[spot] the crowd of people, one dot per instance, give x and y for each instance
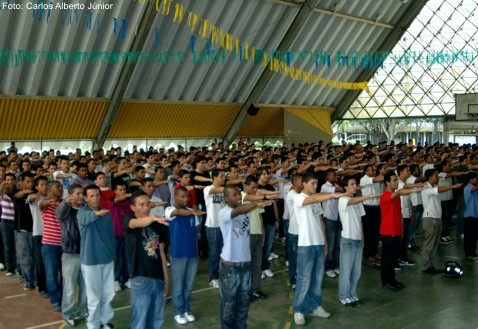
(104, 221)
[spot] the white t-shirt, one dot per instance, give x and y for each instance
(235, 233)
(443, 181)
(159, 210)
(416, 197)
(426, 167)
(293, 226)
(431, 201)
(254, 216)
(331, 210)
(214, 203)
(369, 187)
(37, 220)
(309, 222)
(351, 218)
(285, 191)
(405, 202)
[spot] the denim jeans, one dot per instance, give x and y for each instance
(460, 227)
(147, 303)
(269, 230)
(183, 271)
(214, 238)
(235, 290)
(100, 291)
(52, 260)
(72, 278)
(417, 219)
(6, 227)
(292, 246)
(332, 234)
(122, 264)
(310, 272)
(39, 265)
(24, 248)
(350, 267)
(285, 225)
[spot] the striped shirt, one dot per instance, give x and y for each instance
(7, 207)
(51, 226)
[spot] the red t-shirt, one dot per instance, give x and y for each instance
(391, 215)
(105, 197)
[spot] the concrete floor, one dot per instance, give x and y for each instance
(426, 302)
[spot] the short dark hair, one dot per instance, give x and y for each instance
(429, 173)
(91, 187)
(308, 177)
(181, 189)
(401, 168)
(38, 179)
(145, 180)
(472, 175)
(25, 174)
(215, 172)
(138, 194)
(388, 176)
(183, 172)
(73, 187)
(346, 180)
(251, 179)
(138, 168)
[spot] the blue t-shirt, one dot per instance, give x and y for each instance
(183, 234)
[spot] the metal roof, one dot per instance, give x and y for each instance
(136, 51)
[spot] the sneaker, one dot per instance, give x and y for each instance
(27, 287)
(274, 255)
(180, 319)
(169, 264)
(337, 271)
(299, 319)
(270, 259)
(44, 294)
(128, 284)
(330, 274)
(263, 276)
(472, 257)
(2, 267)
(254, 297)
(347, 302)
(293, 286)
(445, 240)
(9, 273)
(261, 294)
(109, 325)
(320, 312)
(397, 267)
(406, 262)
(56, 307)
(357, 301)
(83, 316)
(214, 283)
(287, 263)
(268, 273)
(460, 235)
(189, 317)
(117, 286)
(70, 322)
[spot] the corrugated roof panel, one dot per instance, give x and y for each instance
(160, 120)
(269, 121)
(39, 118)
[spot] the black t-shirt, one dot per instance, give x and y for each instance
(124, 179)
(200, 192)
(143, 245)
(268, 215)
(23, 215)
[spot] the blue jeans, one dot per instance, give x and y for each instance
(214, 239)
(100, 291)
(285, 225)
(269, 231)
(235, 290)
(184, 272)
(52, 260)
(39, 266)
(350, 267)
(72, 278)
(24, 248)
(6, 227)
(122, 264)
(147, 303)
(417, 219)
(292, 246)
(310, 272)
(332, 234)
